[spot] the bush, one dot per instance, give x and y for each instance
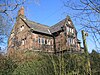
(7, 66)
(35, 63)
(42, 66)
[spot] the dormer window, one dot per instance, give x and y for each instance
(22, 28)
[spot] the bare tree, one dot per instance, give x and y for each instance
(7, 17)
(4, 28)
(7, 6)
(87, 13)
(11, 5)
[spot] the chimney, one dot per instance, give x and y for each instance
(21, 11)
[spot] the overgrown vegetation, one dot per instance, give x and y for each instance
(49, 64)
(7, 66)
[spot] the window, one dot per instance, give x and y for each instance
(12, 46)
(12, 34)
(68, 40)
(22, 27)
(67, 29)
(73, 41)
(23, 42)
(69, 22)
(72, 31)
(43, 40)
(39, 40)
(48, 42)
(51, 43)
(34, 37)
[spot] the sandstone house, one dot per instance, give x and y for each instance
(29, 35)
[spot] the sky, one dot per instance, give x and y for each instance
(49, 12)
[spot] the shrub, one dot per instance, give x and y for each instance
(42, 66)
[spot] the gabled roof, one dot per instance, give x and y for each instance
(44, 28)
(37, 26)
(57, 27)
(69, 19)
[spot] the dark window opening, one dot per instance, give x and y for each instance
(39, 40)
(45, 41)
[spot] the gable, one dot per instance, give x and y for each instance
(37, 27)
(69, 22)
(58, 26)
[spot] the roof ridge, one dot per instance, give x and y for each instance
(62, 20)
(58, 22)
(38, 23)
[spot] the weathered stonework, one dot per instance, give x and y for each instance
(28, 35)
